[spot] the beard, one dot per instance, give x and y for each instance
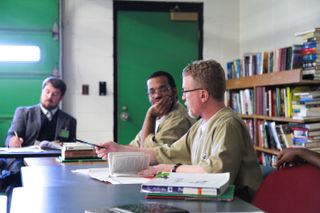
(190, 113)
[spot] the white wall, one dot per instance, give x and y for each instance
(231, 28)
(271, 24)
(88, 57)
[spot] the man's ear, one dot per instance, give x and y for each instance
(204, 95)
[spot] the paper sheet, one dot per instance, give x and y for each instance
(103, 175)
(22, 149)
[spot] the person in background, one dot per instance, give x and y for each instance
(218, 142)
(166, 120)
(44, 121)
(297, 155)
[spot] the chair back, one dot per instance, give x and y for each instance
(292, 189)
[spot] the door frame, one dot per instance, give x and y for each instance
(147, 7)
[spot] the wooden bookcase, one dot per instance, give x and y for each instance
(275, 79)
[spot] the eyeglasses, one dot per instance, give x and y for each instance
(190, 90)
(162, 89)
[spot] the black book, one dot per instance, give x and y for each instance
(148, 207)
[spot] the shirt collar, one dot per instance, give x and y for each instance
(44, 110)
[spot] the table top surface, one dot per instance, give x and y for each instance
(24, 153)
(79, 198)
(57, 188)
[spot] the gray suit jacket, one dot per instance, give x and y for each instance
(27, 123)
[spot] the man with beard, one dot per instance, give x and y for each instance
(218, 142)
(166, 119)
(44, 121)
(32, 124)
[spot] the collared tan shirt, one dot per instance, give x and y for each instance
(173, 126)
(224, 146)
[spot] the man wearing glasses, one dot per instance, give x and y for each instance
(218, 142)
(166, 119)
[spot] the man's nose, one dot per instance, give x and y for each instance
(183, 97)
(50, 95)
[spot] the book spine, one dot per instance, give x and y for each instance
(179, 190)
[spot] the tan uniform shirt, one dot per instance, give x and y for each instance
(174, 126)
(222, 144)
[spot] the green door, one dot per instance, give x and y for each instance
(26, 22)
(148, 41)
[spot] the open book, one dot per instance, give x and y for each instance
(123, 168)
(127, 163)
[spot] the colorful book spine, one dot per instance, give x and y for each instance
(179, 190)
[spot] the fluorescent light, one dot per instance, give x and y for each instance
(19, 53)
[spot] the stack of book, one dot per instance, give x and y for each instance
(77, 151)
(306, 103)
(189, 186)
(307, 135)
(311, 53)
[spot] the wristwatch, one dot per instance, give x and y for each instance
(175, 167)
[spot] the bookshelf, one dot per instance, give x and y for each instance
(288, 78)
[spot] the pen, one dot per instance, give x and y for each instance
(16, 134)
(92, 144)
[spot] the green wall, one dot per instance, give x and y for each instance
(26, 22)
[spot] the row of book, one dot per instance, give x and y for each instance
(266, 159)
(273, 102)
(272, 135)
(269, 101)
(282, 59)
(310, 53)
(305, 56)
(299, 102)
(242, 101)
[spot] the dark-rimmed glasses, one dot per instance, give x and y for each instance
(162, 90)
(190, 90)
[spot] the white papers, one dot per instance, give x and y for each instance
(34, 148)
(102, 174)
(210, 180)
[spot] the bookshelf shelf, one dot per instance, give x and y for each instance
(269, 79)
(279, 119)
(282, 79)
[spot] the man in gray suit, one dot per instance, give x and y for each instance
(42, 122)
(45, 121)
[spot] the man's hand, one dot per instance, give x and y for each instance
(153, 170)
(15, 141)
(110, 146)
(287, 156)
(161, 107)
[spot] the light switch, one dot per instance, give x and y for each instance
(102, 88)
(85, 89)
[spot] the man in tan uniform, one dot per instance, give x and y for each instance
(218, 142)
(166, 119)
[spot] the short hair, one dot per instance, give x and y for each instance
(160, 73)
(209, 75)
(56, 83)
